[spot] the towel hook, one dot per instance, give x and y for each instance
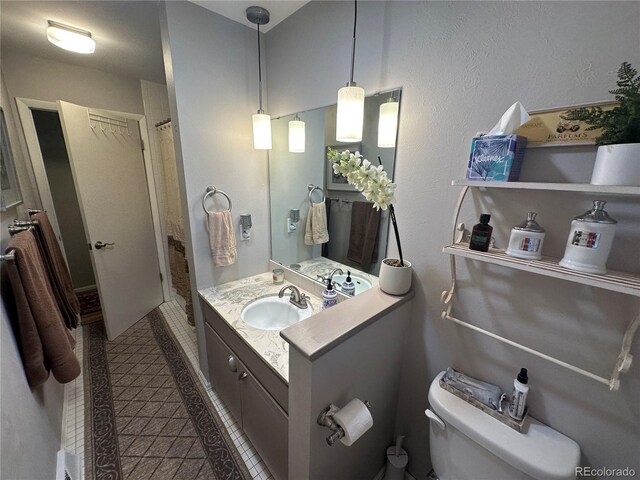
(212, 191)
(311, 189)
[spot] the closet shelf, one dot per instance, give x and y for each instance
(621, 282)
(563, 187)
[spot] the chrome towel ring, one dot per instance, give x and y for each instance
(311, 189)
(212, 191)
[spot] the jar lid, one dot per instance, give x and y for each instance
(597, 214)
(530, 224)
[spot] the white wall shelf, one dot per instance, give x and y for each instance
(564, 187)
(621, 282)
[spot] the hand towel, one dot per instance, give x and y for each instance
(46, 344)
(325, 246)
(222, 238)
(363, 238)
(57, 269)
(316, 229)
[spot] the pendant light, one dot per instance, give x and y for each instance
(70, 38)
(261, 121)
(296, 135)
(388, 123)
(350, 112)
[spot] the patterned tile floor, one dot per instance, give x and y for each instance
(176, 318)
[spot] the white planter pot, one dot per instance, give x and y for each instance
(395, 280)
(617, 165)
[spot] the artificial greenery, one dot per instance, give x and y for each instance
(622, 124)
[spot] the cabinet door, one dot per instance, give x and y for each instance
(266, 424)
(224, 369)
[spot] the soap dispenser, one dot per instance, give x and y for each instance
(329, 296)
(348, 286)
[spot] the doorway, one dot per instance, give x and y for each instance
(93, 178)
(71, 229)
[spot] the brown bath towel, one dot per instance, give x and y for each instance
(58, 271)
(363, 239)
(46, 344)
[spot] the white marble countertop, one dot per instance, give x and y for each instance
(230, 298)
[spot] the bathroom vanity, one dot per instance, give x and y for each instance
(249, 366)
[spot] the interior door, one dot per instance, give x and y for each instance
(106, 159)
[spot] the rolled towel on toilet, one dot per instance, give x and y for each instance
(484, 392)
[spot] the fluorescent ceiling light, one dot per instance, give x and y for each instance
(70, 38)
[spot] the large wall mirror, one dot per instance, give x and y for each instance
(357, 233)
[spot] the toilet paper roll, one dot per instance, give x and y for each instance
(355, 419)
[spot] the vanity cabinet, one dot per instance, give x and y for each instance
(250, 390)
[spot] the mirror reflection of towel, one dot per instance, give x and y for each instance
(316, 230)
(363, 239)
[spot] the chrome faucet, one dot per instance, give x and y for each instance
(296, 298)
(337, 270)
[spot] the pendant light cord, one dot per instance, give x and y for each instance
(259, 71)
(353, 45)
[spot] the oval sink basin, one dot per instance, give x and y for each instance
(273, 313)
(362, 284)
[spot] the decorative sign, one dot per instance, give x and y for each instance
(547, 129)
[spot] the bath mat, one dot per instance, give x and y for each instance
(147, 415)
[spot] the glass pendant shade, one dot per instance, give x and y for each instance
(296, 136)
(261, 131)
(70, 38)
(350, 114)
(388, 124)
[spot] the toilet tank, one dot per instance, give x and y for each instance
(474, 446)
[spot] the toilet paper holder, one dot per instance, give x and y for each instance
(325, 419)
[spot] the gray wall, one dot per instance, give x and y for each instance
(41, 79)
(30, 420)
(211, 69)
(370, 365)
(461, 64)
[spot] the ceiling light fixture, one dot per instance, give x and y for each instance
(388, 123)
(350, 115)
(261, 121)
(296, 135)
(70, 38)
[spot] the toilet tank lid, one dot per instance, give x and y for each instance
(539, 451)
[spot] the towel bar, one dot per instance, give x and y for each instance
(11, 256)
(212, 191)
(311, 189)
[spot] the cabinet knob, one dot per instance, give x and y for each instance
(231, 362)
(243, 375)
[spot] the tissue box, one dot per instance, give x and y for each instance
(496, 158)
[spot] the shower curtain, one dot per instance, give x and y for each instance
(172, 214)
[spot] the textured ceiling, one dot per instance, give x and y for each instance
(127, 34)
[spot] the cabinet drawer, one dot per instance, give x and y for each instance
(266, 424)
(224, 379)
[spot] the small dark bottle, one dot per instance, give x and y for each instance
(481, 234)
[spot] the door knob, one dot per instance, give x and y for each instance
(100, 245)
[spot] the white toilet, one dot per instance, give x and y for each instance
(468, 444)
